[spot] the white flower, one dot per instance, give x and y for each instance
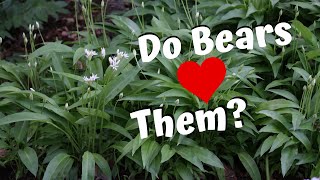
(102, 3)
(90, 53)
(114, 62)
(35, 64)
(29, 64)
(34, 36)
(161, 105)
(31, 89)
(66, 105)
(0, 40)
(121, 54)
(92, 78)
(103, 51)
(142, 4)
(37, 24)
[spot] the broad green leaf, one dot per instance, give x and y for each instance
(302, 138)
(88, 166)
(266, 145)
(279, 141)
(55, 166)
(50, 47)
(117, 128)
(29, 158)
(23, 116)
(288, 155)
(77, 55)
(277, 104)
(285, 94)
(166, 153)
(116, 86)
(187, 154)
(304, 74)
(305, 32)
(184, 172)
(149, 150)
(207, 157)
(250, 165)
(103, 165)
(306, 158)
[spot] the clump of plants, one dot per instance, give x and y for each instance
(65, 109)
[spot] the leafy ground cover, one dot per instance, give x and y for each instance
(64, 106)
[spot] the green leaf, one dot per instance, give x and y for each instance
(166, 153)
(187, 154)
(305, 32)
(50, 47)
(302, 138)
(56, 166)
(266, 144)
(149, 150)
(184, 172)
(23, 116)
(88, 166)
(288, 155)
(118, 128)
(207, 157)
(304, 74)
(250, 165)
(116, 86)
(279, 141)
(285, 94)
(103, 165)
(277, 104)
(77, 55)
(29, 158)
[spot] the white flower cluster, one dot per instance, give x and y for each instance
(91, 78)
(90, 53)
(115, 60)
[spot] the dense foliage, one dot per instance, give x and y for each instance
(56, 123)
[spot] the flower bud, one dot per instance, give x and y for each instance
(134, 52)
(142, 4)
(161, 105)
(32, 27)
(31, 89)
(66, 106)
(197, 14)
(304, 88)
(158, 71)
(102, 3)
(34, 36)
(280, 13)
(313, 82)
(29, 27)
(177, 102)
(0, 40)
(37, 25)
(35, 64)
(29, 64)
(121, 95)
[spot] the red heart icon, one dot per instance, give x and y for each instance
(202, 80)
